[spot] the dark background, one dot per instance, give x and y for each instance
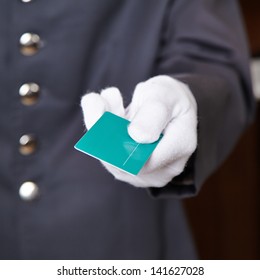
(225, 216)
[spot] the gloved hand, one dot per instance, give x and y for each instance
(159, 105)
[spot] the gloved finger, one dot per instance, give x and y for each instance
(114, 101)
(158, 178)
(93, 107)
(174, 94)
(178, 142)
(154, 103)
(136, 181)
(149, 122)
(173, 169)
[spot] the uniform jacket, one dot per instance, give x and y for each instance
(81, 211)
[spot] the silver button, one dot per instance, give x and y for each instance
(28, 191)
(28, 144)
(29, 43)
(26, 1)
(29, 93)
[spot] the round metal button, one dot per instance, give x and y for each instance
(28, 191)
(26, 1)
(29, 43)
(28, 144)
(29, 93)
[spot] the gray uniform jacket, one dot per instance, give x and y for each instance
(75, 208)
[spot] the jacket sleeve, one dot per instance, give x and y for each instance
(204, 45)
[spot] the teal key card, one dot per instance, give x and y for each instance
(108, 140)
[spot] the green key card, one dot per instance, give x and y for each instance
(108, 140)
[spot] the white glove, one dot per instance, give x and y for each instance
(159, 105)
